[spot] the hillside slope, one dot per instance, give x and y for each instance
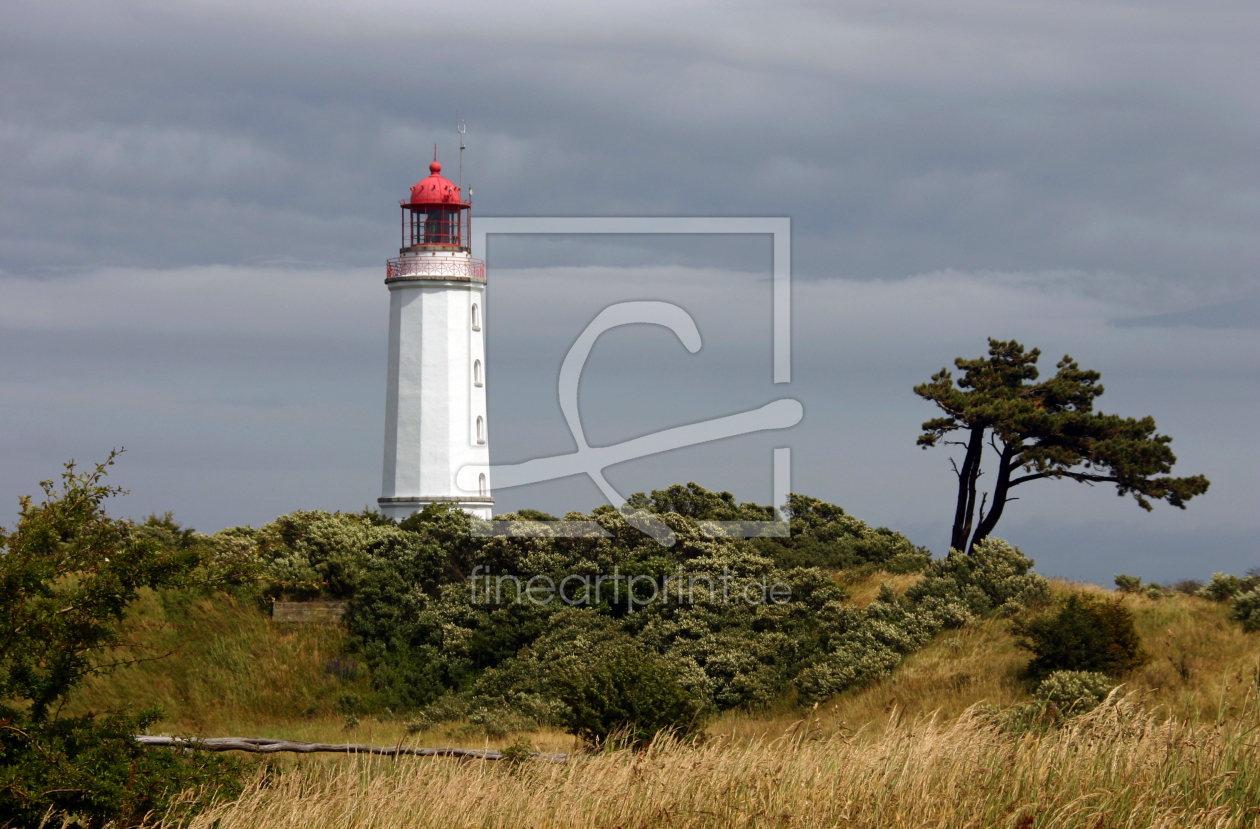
(218, 665)
(232, 671)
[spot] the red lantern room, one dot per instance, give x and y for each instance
(436, 216)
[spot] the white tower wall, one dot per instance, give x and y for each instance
(435, 406)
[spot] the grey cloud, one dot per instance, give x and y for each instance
(902, 138)
(1238, 313)
(1073, 175)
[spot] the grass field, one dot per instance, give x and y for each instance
(1119, 766)
(1177, 747)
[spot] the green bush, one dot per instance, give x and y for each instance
(1221, 588)
(695, 502)
(90, 770)
(1243, 593)
(621, 692)
(1075, 691)
(313, 553)
(1081, 634)
(1247, 610)
(1061, 695)
(422, 639)
(994, 576)
(67, 575)
(823, 535)
(1224, 587)
(468, 650)
(1129, 584)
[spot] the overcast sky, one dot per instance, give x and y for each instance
(197, 198)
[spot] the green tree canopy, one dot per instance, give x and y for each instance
(67, 575)
(1037, 430)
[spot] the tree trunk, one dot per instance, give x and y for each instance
(1001, 490)
(264, 745)
(966, 506)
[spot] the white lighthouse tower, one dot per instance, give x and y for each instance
(435, 400)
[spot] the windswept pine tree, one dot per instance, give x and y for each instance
(1038, 430)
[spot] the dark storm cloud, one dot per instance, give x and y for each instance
(901, 137)
(195, 200)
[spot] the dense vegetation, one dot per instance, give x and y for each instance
(67, 575)
(1081, 634)
(430, 639)
(656, 618)
(1243, 594)
(447, 625)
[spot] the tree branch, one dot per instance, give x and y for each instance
(1075, 476)
(262, 745)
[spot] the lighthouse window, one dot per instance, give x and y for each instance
(481, 430)
(476, 372)
(476, 318)
(441, 227)
(481, 485)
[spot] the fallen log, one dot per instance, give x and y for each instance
(263, 745)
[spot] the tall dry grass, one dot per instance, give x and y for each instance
(1201, 661)
(1119, 766)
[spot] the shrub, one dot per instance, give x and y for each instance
(92, 768)
(351, 704)
(1075, 691)
(431, 638)
(995, 576)
(625, 693)
(423, 634)
(67, 574)
(311, 553)
(1224, 587)
(518, 753)
(1129, 584)
(695, 502)
(499, 722)
(1081, 634)
(1243, 592)
(823, 535)
(850, 665)
(231, 555)
(1247, 610)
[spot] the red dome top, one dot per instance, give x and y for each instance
(435, 189)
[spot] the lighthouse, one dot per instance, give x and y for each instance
(435, 399)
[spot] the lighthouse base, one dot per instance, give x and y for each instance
(401, 508)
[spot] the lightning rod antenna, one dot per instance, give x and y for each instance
(461, 128)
